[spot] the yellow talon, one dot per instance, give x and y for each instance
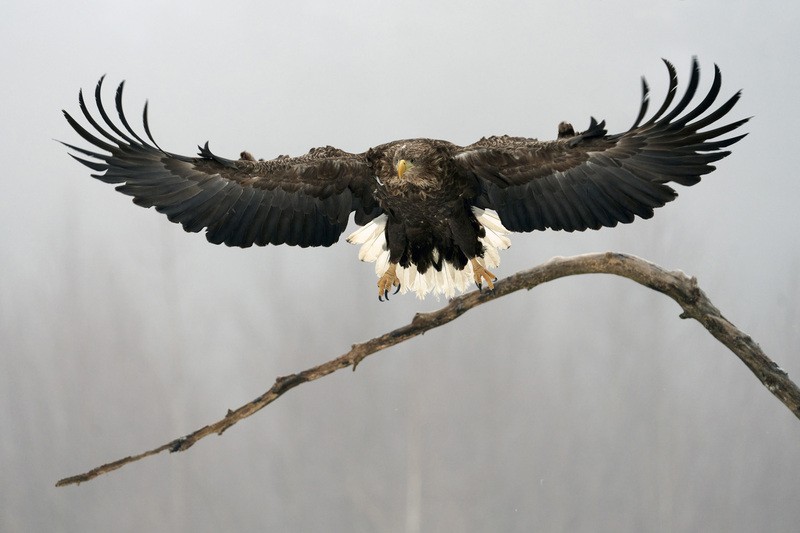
(479, 273)
(387, 281)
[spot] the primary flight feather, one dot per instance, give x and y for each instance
(434, 214)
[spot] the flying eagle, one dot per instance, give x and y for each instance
(433, 214)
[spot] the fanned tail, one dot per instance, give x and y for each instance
(444, 282)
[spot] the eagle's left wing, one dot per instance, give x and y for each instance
(304, 201)
(592, 179)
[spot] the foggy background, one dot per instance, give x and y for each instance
(584, 405)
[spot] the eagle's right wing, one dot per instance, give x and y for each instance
(592, 179)
(303, 201)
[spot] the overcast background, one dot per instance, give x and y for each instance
(584, 405)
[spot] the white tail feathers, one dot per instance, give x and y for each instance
(445, 282)
(372, 239)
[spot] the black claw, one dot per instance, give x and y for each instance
(396, 290)
(480, 287)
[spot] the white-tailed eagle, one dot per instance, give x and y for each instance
(433, 214)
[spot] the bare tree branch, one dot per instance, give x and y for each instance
(676, 285)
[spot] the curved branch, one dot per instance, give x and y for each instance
(675, 284)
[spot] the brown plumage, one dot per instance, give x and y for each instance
(427, 203)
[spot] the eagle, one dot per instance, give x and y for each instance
(433, 214)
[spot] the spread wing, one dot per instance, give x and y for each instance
(303, 201)
(593, 179)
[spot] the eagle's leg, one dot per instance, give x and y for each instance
(387, 281)
(480, 273)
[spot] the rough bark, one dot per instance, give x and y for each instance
(675, 284)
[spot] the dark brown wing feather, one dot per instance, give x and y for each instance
(303, 201)
(593, 179)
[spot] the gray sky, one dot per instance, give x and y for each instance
(583, 405)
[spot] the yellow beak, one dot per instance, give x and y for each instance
(401, 168)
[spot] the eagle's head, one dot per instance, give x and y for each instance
(419, 163)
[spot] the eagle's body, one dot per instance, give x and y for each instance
(428, 208)
(434, 214)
